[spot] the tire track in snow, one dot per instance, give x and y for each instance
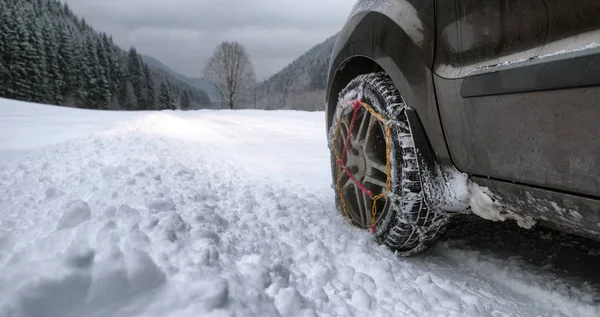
(542, 300)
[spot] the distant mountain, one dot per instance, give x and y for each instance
(201, 83)
(300, 85)
(198, 83)
(153, 62)
(50, 55)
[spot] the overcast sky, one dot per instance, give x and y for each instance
(183, 33)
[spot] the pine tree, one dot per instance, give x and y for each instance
(36, 66)
(121, 84)
(4, 12)
(118, 76)
(109, 60)
(164, 97)
(40, 7)
(134, 69)
(11, 56)
(20, 54)
(54, 10)
(85, 80)
(55, 80)
(103, 94)
(67, 10)
(66, 62)
(83, 26)
(186, 102)
(149, 89)
(172, 100)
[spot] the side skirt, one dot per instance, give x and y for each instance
(566, 212)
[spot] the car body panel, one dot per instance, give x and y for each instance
(501, 81)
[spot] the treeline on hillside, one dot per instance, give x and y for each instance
(300, 85)
(49, 55)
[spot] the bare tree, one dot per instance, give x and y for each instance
(231, 72)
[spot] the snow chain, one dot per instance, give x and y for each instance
(357, 104)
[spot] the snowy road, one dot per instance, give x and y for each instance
(223, 214)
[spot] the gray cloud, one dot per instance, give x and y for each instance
(183, 33)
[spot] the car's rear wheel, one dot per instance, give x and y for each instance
(376, 174)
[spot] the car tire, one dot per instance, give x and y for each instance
(403, 221)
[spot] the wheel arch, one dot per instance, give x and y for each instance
(397, 38)
(351, 68)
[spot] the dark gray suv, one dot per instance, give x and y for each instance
(441, 107)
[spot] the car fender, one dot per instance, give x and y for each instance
(399, 37)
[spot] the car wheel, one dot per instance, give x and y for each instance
(376, 174)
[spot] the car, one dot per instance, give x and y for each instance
(436, 108)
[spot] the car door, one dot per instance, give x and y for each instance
(518, 89)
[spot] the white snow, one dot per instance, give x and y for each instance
(485, 205)
(212, 213)
(448, 189)
(75, 213)
(567, 51)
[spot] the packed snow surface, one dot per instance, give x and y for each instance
(216, 213)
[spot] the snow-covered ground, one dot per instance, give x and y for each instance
(220, 213)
